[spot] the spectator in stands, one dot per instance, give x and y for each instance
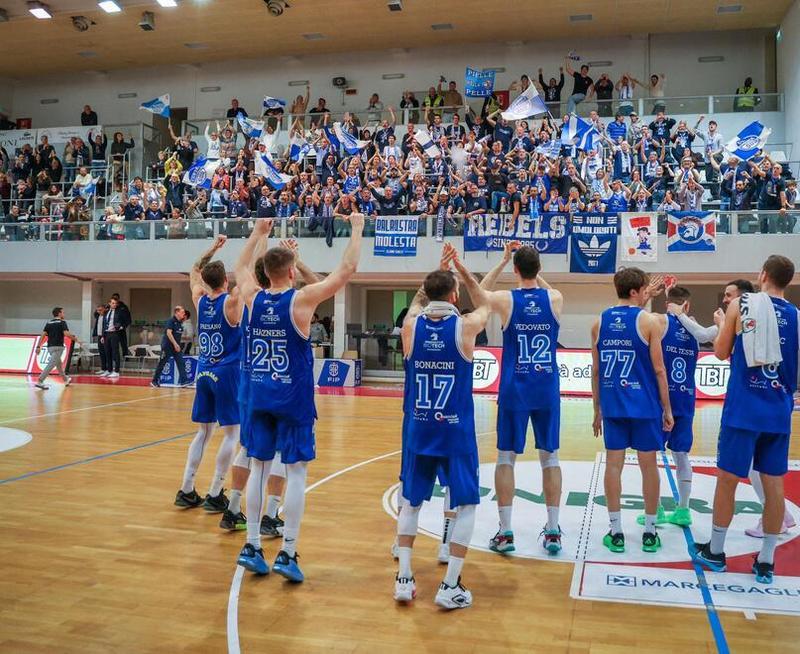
(171, 348)
(52, 202)
(617, 130)
(712, 149)
(582, 85)
(97, 143)
(374, 109)
(299, 107)
(320, 110)
(451, 97)
(410, 102)
(119, 150)
(235, 110)
(746, 97)
(552, 91)
(604, 90)
(75, 214)
(772, 197)
(88, 116)
(657, 89)
(175, 192)
(625, 86)
(433, 101)
(690, 194)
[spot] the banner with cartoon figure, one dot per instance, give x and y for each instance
(639, 236)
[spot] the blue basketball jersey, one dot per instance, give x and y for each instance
(680, 350)
(441, 421)
(281, 361)
(760, 398)
(529, 374)
(628, 387)
(244, 359)
(220, 342)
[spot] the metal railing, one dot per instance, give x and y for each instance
(752, 222)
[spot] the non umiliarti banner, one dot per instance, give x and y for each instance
(594, 243)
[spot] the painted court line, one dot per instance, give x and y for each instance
(85, 408)
(236, 582)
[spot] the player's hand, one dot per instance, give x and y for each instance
(719, 317)
(597, 424)
(509, 247)
(655, 287)
(667, 421)
(291, 245)
(676, 309)
(176, 348)
(263, 226)
(219, 241)
(670, 281)
(448, 253)
(357, 222)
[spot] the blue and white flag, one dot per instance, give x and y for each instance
(478, 83)
(273, 103)
(350, 143)
(251, 128)
(396, 236)
(424, 140)
(298, 148)
(200, 173)
(275, 178)
(526, 104)
(551, 149)
(547, 232)
(691, 231)
(90, 189)
(332, 138)
(158, 106)
(580, 133)
(593, 246)
(749, 141)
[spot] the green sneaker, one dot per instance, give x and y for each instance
(680, 516)
(661, 517)
(650, 542)
(614, 542)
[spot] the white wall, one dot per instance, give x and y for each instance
(788, 71)
(673, 54)
(6, 96)
(26, 306)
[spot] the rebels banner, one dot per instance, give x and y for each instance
(396, 236)
(547, 232)
(639, 236)
(593, 243)
(691, 231)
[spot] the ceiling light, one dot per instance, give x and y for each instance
(438, 27)
(729, 9)
(314, 36)
(579, 18)
(40, 10)
(167, 3)
(109, 6)
(87, 53)
(195, 46)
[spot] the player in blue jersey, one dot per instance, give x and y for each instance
(631, 398)
(529, 387)
(438, 345)
(281, 400)
(219, 337)
(757, 415)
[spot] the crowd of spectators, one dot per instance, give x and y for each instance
(482, 164)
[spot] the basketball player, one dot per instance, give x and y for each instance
(438, 345)
(281, 400)
(529, 387)
(219, 337)
(631, 398)
(756, 417)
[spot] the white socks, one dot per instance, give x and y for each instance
(195, 456)
(649, 523)
(259, 473)
(454, 566)
(615, 521)
(683, 473)
(552, 518)
(225, 454)
(273, 503)
(235, 502)
(505, 517)
(717, 544)
(404, 559)
(294, 506)
(768, 545)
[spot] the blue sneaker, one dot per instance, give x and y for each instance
(702, 555)
(286, 566)
(253, 559)
(763, 571)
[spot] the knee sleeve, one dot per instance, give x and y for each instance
(506, 458)
(408, 520)
(464, 525)
(548, 459)
(683, 469)
(242, 460)
(278, 467)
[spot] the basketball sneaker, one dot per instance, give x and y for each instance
(102, 373)
(67, 381)
(680, 516)
(286, 566)
(551, 540)
(233, 521)
(503, 542)
(702, 555)
(444, 553)
(272, 527)
(113, 375)
(661, 517)
(188, 500)
(155, 384)
(758, 530)
(614, 542)
(253, 560)
(216, 504)
(650, 542)
(453, 597)
(405, 589)
(42, 386)
(763, 571)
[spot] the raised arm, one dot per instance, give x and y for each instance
(657, 359)
(308, 275)
(255, 246)
(723, 345)
(473, 323)
(196, 283)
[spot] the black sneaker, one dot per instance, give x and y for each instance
(272, 527)
(188, 500)
(155, 384)
(702, 555)
(233, 521)
(216, 504)
(763, 571)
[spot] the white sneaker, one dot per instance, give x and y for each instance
(395, 550)
(405, 589)
(41, 386)
(444, 553)
(113, 375)
(67, 381)
(453, 597)
(102, 373)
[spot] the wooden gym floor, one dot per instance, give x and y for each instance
(96, 558)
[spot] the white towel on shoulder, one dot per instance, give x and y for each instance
(760, 337)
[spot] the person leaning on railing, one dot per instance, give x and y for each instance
(119, 148)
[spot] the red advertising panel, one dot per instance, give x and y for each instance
(18, 353)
